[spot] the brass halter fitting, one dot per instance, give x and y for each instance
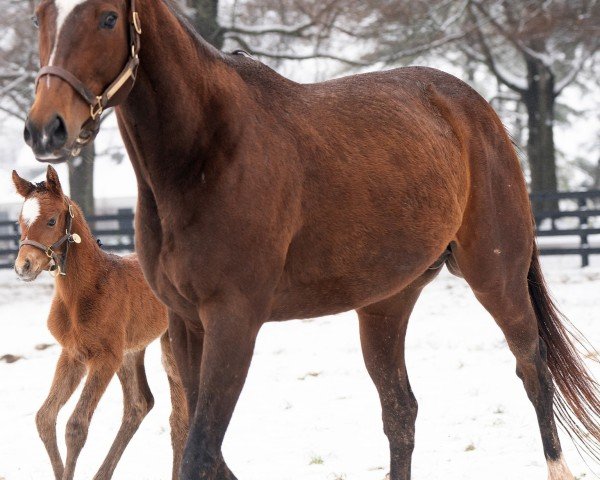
(97, 109)
(137, 23)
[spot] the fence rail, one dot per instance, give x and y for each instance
(577, 217)
(115, 232)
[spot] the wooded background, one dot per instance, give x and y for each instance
(530, 51)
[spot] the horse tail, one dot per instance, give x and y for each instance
(576, 400)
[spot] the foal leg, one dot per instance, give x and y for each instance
(179, 417)
(69, 373)
(228, 346)
(137, 402)
(382, 333)
(100, 372)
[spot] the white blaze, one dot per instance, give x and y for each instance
(558, 470)
(63, 8)
(30, 211)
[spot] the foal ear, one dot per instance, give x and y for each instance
(52, 181)
(24, 187)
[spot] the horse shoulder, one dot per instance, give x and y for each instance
(59, 322)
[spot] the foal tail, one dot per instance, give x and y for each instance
(577, 400)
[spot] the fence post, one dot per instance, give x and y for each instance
(583, 224)
(126, 222)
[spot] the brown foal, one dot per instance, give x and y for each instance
(260, 199)
(104, 315)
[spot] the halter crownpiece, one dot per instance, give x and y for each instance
(114, 94)
(60, 263)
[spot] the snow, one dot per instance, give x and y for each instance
(114, 181)
(308, 397)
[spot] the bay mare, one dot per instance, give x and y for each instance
(261, 199)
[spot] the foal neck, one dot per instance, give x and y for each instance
(85, 262)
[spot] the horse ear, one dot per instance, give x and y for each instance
(24, 187)
(52, 181)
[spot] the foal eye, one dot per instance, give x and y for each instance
(35, 20)
(109, 20)
(52, 222)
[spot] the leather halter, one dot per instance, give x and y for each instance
(60, 261)
(113, 95)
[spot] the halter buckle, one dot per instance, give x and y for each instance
(96, 110)
(49, 252)
(71, 212)
(137, 24)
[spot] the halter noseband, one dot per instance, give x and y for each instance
(60, 263)
(114, 94)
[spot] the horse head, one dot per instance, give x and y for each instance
(45, 221)
(89, 56)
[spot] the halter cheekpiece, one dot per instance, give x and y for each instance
(60, 260)
(114, 94)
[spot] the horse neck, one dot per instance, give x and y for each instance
(85, 262)
(184, 91)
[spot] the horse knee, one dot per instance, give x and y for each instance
(136, 411)
(76, 432)
(45, 423)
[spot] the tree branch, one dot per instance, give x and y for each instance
(278, 30)
(489, 58)
(289, 56)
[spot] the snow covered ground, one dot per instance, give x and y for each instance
(308, 410)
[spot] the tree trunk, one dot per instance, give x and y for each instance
(539, 100)
(206, 21)
(81, 179)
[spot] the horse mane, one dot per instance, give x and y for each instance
(202, 45)
(246, 65)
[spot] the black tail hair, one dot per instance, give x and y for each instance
(577, 397)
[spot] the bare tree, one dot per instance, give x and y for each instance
(205, 18)
(534, 48)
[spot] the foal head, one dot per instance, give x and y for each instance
(44, 220)
(83, 47)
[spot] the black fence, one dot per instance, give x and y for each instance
(114, 231)
(577, 217)
(565, 231)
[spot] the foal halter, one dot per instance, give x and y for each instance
(113, 95)
(60, 262)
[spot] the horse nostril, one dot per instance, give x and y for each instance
(57, 133)
(27, 133)
(26, 266)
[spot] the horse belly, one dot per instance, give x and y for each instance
(329, 271)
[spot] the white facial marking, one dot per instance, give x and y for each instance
(30, 211)
(558, 470)
(64, 8)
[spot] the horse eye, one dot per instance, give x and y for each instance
(52, 222)
(36, 21)
(109, 20)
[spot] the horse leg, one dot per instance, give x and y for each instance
(228, 346)
(100, 371)
(187, 340)
(500, 284)
(137, 402)
(382, 333)
(179, 418)
(69, 373)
